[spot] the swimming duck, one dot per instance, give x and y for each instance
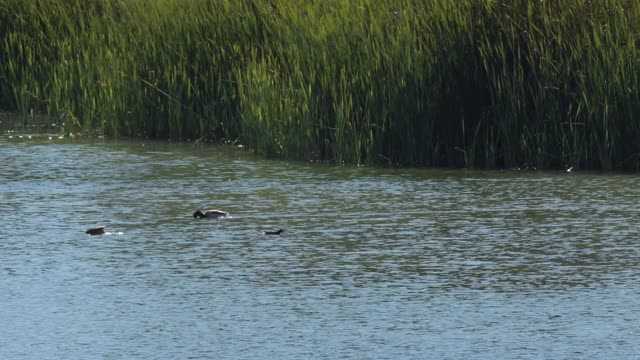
(98, 230)
(209, 214)
(274, 232)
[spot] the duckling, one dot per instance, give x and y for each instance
(209, 214)
(98, 230)
(274, 232)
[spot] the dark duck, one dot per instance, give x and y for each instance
(274, 232)
(199, 214)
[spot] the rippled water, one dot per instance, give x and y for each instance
(374, 263)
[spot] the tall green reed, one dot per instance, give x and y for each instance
(437, 83)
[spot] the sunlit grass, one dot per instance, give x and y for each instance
(473, 83)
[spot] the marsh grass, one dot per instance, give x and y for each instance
(472, 83)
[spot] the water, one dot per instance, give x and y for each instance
(373, 264)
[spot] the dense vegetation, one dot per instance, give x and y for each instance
(475, 83)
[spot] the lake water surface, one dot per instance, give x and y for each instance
(374, 263)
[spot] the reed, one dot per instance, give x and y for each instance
(462, 83)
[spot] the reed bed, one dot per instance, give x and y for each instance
(461, 83)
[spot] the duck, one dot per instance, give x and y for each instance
(274, 232)
(98, 230)
(209, 214)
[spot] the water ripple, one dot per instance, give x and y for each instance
(374, 263)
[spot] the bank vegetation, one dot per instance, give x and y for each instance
(460, 83)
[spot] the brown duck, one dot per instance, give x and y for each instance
(98, 230)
